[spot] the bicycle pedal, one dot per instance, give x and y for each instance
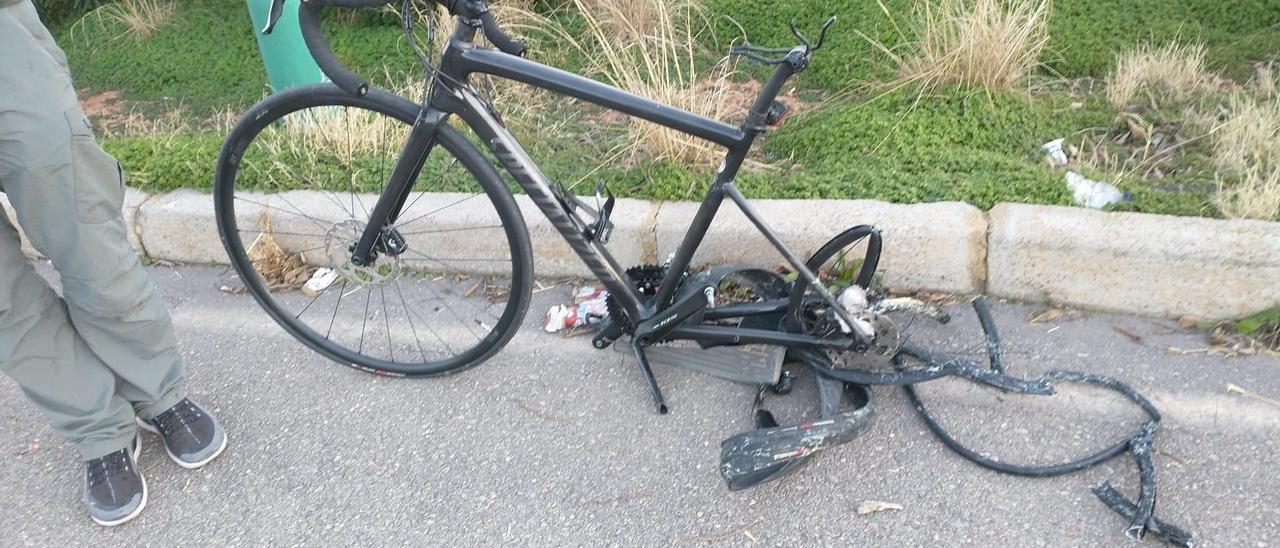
(749, 364)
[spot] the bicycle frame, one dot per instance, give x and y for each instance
(462, 58)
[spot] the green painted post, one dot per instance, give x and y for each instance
(283, 51)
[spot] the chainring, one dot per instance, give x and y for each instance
(647, 278)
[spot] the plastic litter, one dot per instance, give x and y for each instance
(1094, 194)
(1054, 154)
(320, 280)
(588, 308)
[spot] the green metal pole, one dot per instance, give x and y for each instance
(284, 53)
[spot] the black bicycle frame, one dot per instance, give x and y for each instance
(452, 95)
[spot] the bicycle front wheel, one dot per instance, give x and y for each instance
(296, 180)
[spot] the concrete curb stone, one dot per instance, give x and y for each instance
(937, 246)
(180, 227)
(1155, 265)
(1125, 262)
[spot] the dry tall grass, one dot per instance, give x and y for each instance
(1249, 136)
(1172, 72)
(1265, 83)
(137, 18)
(631, 19)
(660, 63)
(993, 44)
(1247, 151)
(1253, 195)
(342, 133)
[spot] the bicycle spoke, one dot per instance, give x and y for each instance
(438, 231)
(256, 261)
(408, 314)
(351, 158)
(364, 319)
(382, 169)
(298, 212)
(450, 318)
(437, 210)
(355, 198)
(310, 184)
(278, 233)
(334, 198)
(329, 332)
(442, 260)
(313, 301)
(445, 304)
(437, 181)
(386, 321)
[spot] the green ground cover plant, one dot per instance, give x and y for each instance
(853, 138)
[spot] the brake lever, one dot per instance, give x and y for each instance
(273, 15)
(822, 36)
(758, 53)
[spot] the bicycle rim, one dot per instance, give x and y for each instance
(295, 182)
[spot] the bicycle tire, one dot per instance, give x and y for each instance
(272, 111)
(866, 270)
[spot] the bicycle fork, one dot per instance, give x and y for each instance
(379, 234)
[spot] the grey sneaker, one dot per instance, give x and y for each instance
(114, 489)
(192, 436)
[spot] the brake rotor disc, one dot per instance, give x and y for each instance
(879, 354)
(340, 239)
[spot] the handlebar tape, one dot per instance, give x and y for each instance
(500, 38)
(309, 24)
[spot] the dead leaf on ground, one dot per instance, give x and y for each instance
(496, 293)
(283, 271)
(873, 506)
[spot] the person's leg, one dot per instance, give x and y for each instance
(68, 195)
(40, 350)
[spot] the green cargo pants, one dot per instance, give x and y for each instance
(106, 351)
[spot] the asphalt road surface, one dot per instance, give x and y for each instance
(554, 443)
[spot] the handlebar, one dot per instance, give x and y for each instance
(472, 12)
(499, 38)
(797, 56)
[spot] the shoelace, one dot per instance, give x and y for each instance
(181, 415)
(105, 467)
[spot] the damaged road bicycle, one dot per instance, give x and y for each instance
(414, 259)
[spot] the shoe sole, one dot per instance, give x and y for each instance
(188, 465)
(137, 511)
